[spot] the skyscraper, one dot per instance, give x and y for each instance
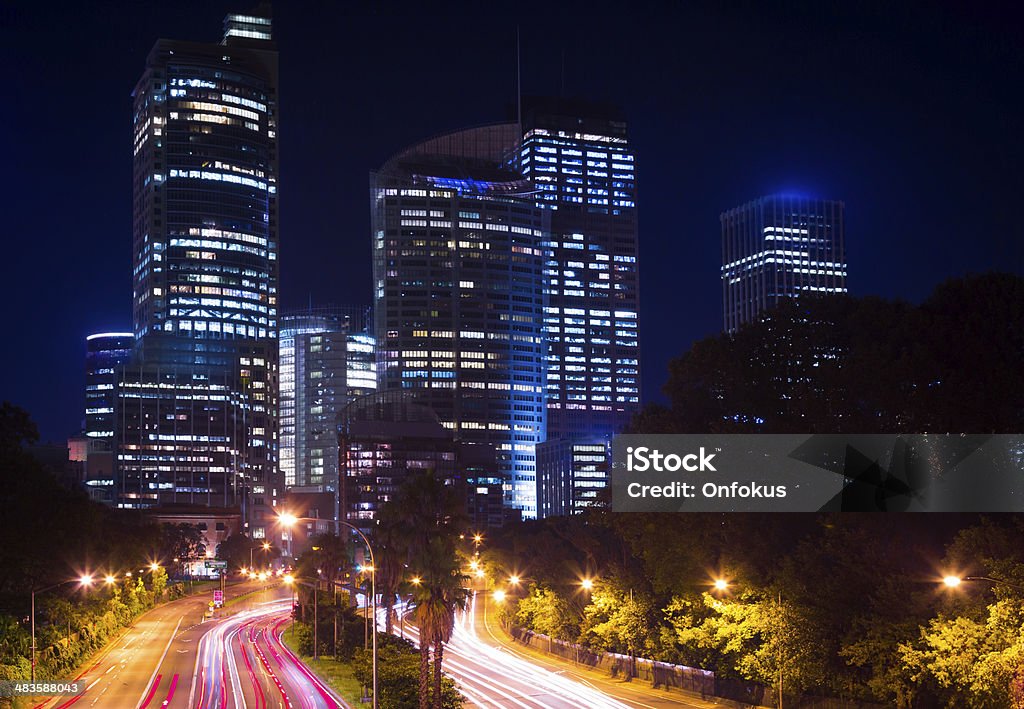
(104, 352)
(326, 361)
(577, 154)
(579, 157)
(458, 293)
(776, 247)
(205, 276)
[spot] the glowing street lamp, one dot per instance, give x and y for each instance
(109, 580)
(499, 596)
(953, 581)
(513, 579)
(587, 584)
(721, 585)
(85, 581)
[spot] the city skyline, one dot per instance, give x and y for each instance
(887, 165)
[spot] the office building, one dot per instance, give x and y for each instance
(579, 157)
(326, 360)
(571, 474)
(458, 256)
(386, 437)
(104, 352)
(779, 246)
(92, 452)
(198, 424)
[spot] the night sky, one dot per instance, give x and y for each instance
(909, 113)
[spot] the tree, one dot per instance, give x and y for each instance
(17, 430)
(838, 364)
(546, 611)
(976, 665)
(182, 542)
(430, 513)
(390, 555)
(440, 593)
(397, 671)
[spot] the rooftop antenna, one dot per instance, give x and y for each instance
(519, 84)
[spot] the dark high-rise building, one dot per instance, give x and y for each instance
(386, 437)
(205, 277)
(571, 474)
(326, 360)
(458, 293)
(104, 352)
(578, 156)
(776, 247)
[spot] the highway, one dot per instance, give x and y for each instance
(172, 658)
(491, 673)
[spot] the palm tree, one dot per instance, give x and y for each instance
(390, 555)
(440, 593)
(426, 514)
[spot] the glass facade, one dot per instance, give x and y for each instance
(458, 257)
(579, 157)
(104, 352)
(779, 246)
(326, 361)
(571, 474)
(205, 277)
(388, 436)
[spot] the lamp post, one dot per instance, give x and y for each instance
(289, 520)
(291, 581)
(265, 546)
(953, 581)
(85, 581)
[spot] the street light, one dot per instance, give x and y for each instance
(287, 519)
(953, 581)
(265, 546)
(721, 585)
(587, 584)
(85, 581)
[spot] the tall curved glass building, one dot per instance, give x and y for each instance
(459, 296)
(196, 420)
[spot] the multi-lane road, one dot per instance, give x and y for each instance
(492, 673)
(175, 658)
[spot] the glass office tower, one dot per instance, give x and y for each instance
(458, 262)
(776, 247)
(326, 360)
(578, 155)
(104, 352)
(580, 159)
(205, 275)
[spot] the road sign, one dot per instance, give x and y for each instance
(218, 598)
